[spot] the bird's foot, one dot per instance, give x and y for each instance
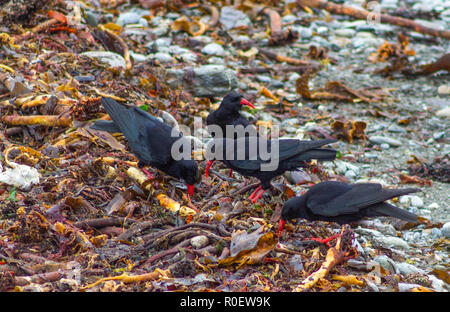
(325, 241)
(230, 173)
(257, 194)
(148, 174)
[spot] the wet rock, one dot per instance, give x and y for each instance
(213, 49)
(206, 80)
(405, 268)
(386, 263)
(111, 58)
(231, 18)
(199, 241)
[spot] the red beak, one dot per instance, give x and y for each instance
(245, 102)
(208, 165)
(280, 227)
(190, 190)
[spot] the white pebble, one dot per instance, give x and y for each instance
(199, 241)
(416, 201)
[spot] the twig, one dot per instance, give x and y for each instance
(99, 223)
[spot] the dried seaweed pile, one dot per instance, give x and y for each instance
(76, 212)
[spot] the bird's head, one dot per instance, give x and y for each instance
(292, 209)
(188, 171)
(234, 101)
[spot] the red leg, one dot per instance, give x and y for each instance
(254, 192)
(208, 165)
(325, 240)
(230, 173)
(149, 175)
(258, 195)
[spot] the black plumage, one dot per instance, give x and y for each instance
(228, 113)
(251, 156)
(345, 203)
(150, 140)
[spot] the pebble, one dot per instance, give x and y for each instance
(405, 268)
(213, 49)
(231, 18)
(387, 263)
(444, 90)
(384, 146)
(406, 287)
(210, 80)
(391, 241)
(433, 206)
(345, 32)
(132, 17)
(111, 58)
(377, 139)
(216, 60)
(446, 229)
(445, 112)
(199, 241)
(416, 201)
(305, 33)
(163, 57)
(263, 78)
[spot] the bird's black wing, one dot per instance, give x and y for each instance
(358, 197)
(149, 139)
(287, 148)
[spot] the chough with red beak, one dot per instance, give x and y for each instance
(228, 112)
(150, 140)
(344, 203)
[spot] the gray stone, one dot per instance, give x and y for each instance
(213, 49)
(405, 268)
(131, 17)
(377, 139)
(163, 57)
(387, 263)
(204, 81)
(391, 241)
(345, 32)
(231, 18)
(111, 58)
(263, 78)
(445, 112)
(199, 241)
(446, 229)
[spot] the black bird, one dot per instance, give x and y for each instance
(150, 140)
(228, 112)
(246, 156)
(344, 203)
